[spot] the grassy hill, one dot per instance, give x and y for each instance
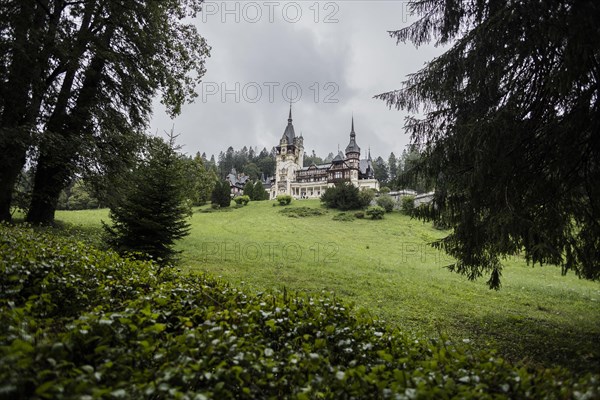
(389, 271)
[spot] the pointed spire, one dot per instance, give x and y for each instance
(352, 146)
(369, 154)
(289, 135)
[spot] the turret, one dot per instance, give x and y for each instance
(352, 150)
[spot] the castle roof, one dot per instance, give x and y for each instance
(352, 146)
(340, 157)
(289, 133)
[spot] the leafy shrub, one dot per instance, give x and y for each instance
(343, 196)
(242, 200)
(375, 212)
(299, 212)
(359, 214)
(407, 204)
(215, 206)
(125, 332)
(386, 202)
(284, 199)
(385, 190)
(365, 197)
(343, 217)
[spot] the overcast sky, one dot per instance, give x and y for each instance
(329, 57)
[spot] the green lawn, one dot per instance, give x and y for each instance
(387, 268)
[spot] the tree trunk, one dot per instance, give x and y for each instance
(21, 97)
(64, 139)
(14, 136)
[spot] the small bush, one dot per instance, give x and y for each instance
(407, 204)
(284, 199)
(384, 190)
(365, 197)
(242, 200)
(386, 202)
(215, 206)
(375, 212)
(359, 214)
(345, 217)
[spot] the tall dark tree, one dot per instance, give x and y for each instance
(415, 174)
(29, 34)
(221, 194)
(393, 169)
(510, 130)
(252, 170)
(83, 75)
(381, 171)
(151, 213)
(200, 179)
(259, 192)
(249, 190)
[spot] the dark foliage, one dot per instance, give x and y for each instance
(150, 214)
(510, 132)
(343, 196)
(77, 82)
(221, 194)
(81, 323)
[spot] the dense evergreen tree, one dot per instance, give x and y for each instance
(343, 196)
(249, 190)
(510, 130)
(259, 192)
(415, 175)
(381, 171)
(393, 170)
(150, 214)
(221, 194)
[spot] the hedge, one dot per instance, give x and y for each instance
(77, 322)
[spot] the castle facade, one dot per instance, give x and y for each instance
(292, 178)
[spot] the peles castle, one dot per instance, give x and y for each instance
(292, 178)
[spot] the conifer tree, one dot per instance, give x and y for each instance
(507, 121)
(249, 190)
(259, 192)
(221, 194)
(150, 215)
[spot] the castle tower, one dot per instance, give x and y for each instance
(353, 156)
(289, 158)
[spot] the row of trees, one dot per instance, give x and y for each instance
(77, 81)
(247, 161)
(403, 172)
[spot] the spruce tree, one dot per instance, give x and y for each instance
(249, 190)
(507, 121)
(221, 194)
(149, 216)
(259, 191)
